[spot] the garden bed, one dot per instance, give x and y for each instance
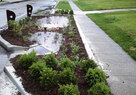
(28, 27)
(67, 69)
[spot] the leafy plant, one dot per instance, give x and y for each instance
(29, 34)
(49, 78)
(99, 89)
(94, 76)
(86, 64)
(67, 63)
(56, 36)
(64, 30)
(51, 61)
(25, 38)
(71, 12)
(68, 90)
(74, 48)
(14, 27)
(26, 60)
(66, 11)
(36, 68)
(63, 55)
(67, 77)
(71, 33)
(64, 49)
(82, 54)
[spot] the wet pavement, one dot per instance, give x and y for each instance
(20, 8)
(6, 86)
(3, 59)
(114, 61)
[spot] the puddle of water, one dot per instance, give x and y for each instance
(50, 41)
(54, 21)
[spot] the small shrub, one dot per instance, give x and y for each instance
(86, 64)
(67, 63)
(49, 78)
(94, 76)
(67, 77)
(50, 61)
(62, 11)
(66, 12)
(71, 12)
(74, 48)
(99, 89)
(36, 68)
(68, 90)
(26, 60)
(15, 28)
(25, 38)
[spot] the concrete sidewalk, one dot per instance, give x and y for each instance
(104, 11)
(115, 62)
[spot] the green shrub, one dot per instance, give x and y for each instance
(67, 77)
(66, 11)
(49, 78)
(62, 11)
(99, 89)
(68, 90)
(86, 64)
(15, 28)
(26, 60)
(67, 63)
(71, 12)
(50, 61)
(94, 76)
(36, 68)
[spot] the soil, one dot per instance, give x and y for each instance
(33, 86)
(18, 40)
(77, 40)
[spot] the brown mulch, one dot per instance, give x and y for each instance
(18, 40)
(33, 86)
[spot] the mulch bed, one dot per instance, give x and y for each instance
(33, 86)
(18, 40)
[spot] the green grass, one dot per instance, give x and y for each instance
(121, 27)
(64, 5)
(2, 1)
(87, 5)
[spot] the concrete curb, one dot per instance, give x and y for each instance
(85, 42)
(16, 80)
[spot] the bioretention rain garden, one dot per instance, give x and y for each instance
(64, 68)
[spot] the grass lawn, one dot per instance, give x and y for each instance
(64, 5)
(121, 27)
(87, 5)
